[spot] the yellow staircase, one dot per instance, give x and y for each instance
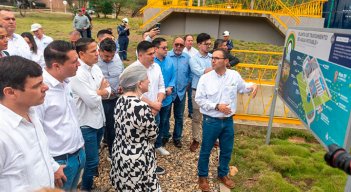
(281, 14)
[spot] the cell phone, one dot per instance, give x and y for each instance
(158, 26)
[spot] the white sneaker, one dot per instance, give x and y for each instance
(162, 151)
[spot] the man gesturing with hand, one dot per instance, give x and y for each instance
(216, 94)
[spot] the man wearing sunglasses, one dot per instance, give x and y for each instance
(199, 65)
(169, 78)
(216, 95)
(180, 61)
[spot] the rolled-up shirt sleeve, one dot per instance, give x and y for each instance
(243, 87)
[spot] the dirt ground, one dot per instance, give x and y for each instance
(180, 166)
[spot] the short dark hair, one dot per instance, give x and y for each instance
(157, 41)
(56, 52)
(224, 52)
(32, 41)
(143, 46)
(103, 32)
(202, 37)
(108, 45)
(82, 44)
(218, 43)
(14, 71)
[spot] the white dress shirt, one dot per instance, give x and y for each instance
(43, 42)
(25, 161)
(38, 58)
(157, 84)
(89, 104)
(191, 52)
(58, 115)
(18, 46)
(214, 89)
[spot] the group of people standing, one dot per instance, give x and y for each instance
(54, 114)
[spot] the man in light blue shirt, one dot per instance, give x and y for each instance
(199, 65)
(169, 78)
(180, 61)
(111, 67)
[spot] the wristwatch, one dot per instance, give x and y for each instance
(216, 108)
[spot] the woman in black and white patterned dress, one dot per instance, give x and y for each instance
(133, 152)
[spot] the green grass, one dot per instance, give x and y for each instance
(283, 166)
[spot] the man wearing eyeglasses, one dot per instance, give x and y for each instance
(167, 70)
(16, 44)
(217, 97)
(182, 72)
(199, 65)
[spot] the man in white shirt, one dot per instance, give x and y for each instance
(157, 92)
(16, 44)
(40, 38)
(89, 87)
(25, 161)
(58, 113)
(216, 95)
(191, 51)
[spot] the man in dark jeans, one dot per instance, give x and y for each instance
(111, 67)
(123, 39)
(86, 13)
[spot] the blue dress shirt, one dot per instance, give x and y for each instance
(198, 64)
(169, 77)
(183, 73)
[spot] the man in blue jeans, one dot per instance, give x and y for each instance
(112, 67)
(169, 78)
(182, 71)
(123, 39)
(58, 113)
(216, 95)
(89, 87)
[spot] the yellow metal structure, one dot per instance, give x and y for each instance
(260, 67)
(275, 8)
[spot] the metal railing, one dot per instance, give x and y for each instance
(260, 67)
(269, 7)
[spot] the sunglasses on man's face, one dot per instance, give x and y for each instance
(179, 45)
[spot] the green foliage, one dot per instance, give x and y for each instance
(283, 165)
(287, 133)
(273, 182)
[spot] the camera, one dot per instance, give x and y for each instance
(338, 157)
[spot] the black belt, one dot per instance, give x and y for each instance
(66, 156)
(220, 118)
(193, 89)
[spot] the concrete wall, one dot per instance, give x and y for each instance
(258, 105)
(241, 27)
(304, 22)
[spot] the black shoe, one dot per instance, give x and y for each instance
(164, 142)
(190, 115)
(160, 170)
(177, 143)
